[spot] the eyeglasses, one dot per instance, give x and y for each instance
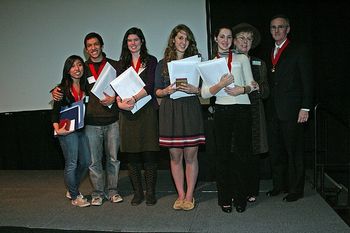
(242, 38)
(279, 27)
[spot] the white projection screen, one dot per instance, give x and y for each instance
(38, 35)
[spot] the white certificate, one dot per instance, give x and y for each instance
(102, 85)
(129, 84)
(211, 72)
(184, 68)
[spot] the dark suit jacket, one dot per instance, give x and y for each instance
(291, 85)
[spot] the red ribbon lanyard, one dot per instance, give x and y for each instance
(77, 95)
(93, 71)
(138, 65)
(277, 57)
(229, 61)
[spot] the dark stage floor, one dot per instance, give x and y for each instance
(33, 201)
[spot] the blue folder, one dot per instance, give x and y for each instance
(75, 111)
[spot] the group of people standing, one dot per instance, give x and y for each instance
(177, 124)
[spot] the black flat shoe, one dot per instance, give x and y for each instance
(273, 192)
(240, 209)
(227, 209)
(293, 197)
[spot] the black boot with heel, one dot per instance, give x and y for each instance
(151, 180)
(136, 181)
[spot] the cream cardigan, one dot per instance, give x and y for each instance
(243, 76)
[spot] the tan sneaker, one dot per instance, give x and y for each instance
(116, 198)
(69, 196)
(96, 201)
(80, 201)
(188, 205)
(178, 204)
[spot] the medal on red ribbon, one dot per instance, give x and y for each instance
(275, 59)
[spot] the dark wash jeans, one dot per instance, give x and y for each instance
(77, 159)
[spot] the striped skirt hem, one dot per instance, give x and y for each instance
(182, 141)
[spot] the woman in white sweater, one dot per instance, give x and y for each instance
(232, 120)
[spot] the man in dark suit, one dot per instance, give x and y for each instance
(290, 80)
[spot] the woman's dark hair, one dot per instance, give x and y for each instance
(125, 55)
(93, 35)
(170, 51)
(67, 81)
(215, 44)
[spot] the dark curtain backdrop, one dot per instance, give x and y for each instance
(324, 26)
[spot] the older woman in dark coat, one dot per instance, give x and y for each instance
(247, 37)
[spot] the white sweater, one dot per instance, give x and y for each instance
(242, 75)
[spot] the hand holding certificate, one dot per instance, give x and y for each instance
(211, 72)
(129, 84)
(102, 84)
(184, 71)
